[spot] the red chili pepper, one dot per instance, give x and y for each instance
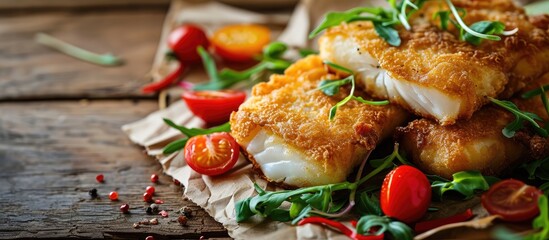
(431, 224)
(164, 83)
(339, 226)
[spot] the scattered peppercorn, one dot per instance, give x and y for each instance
(93, 193)
(176, 182)
(147, 197)
(136, 225)
(155, 208)
(149, 210)
(100, 178)
(150, 190)
(154, 178)
(182, 220)
(187, 211)
(149, 238)
(163, 213)
(125, 208)
(113, 196)
(144, 221)
(153, 221)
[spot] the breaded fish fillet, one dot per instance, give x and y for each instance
(476, 144)
(434, 74)
(285, 131)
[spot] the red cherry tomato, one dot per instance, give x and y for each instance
(240, 42)
(513, 200)
(214, 107)
(185, 39)
(212, 154)
(405, 194)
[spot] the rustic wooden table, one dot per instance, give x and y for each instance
(60, 125)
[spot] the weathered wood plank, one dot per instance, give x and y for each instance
(50, 153)
(32, 71)
(55, 4)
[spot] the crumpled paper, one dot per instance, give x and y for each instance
(218, 195)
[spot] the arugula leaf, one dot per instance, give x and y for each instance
(190, 132)
(398, 230)
(175, 146)
(270, 61)
(209, 64)
(537, 169)
(388, 33)
(541, 222)
(467, 183)
(484, 27)
(535, 92)
(335, 18)
(304, 201)
(520, 117)
(444, 19)
(545, 188)
(375, 103)
(280, 215)
(243, 210)
(368, 204)
(303, 52)
(274, 50)
(331, 87)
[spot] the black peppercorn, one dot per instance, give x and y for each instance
(149, 210)
(93, 193)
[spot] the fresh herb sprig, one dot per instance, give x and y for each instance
(306, 201)
(331, 88)
(190, 132)
(467, 183)
(398, 230)
(385, 21)
(520, 118)
(541, 222)
(538, 169)
(76, 52)
(271, 60)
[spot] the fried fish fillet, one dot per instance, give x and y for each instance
(285, 131)
(475, 144)
(434, 74)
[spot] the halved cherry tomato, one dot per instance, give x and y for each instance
(214, 107)
(240, 42)
(184, 40)
(513, 200)
(212, 154)
(405, 194)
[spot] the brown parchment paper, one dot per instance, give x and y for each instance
(217, 195)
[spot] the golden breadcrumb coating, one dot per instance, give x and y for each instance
(291, 107)
(433, 58)
(474, 144)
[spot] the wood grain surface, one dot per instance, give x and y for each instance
(32, 71)
(50, 153)
(53, 143)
